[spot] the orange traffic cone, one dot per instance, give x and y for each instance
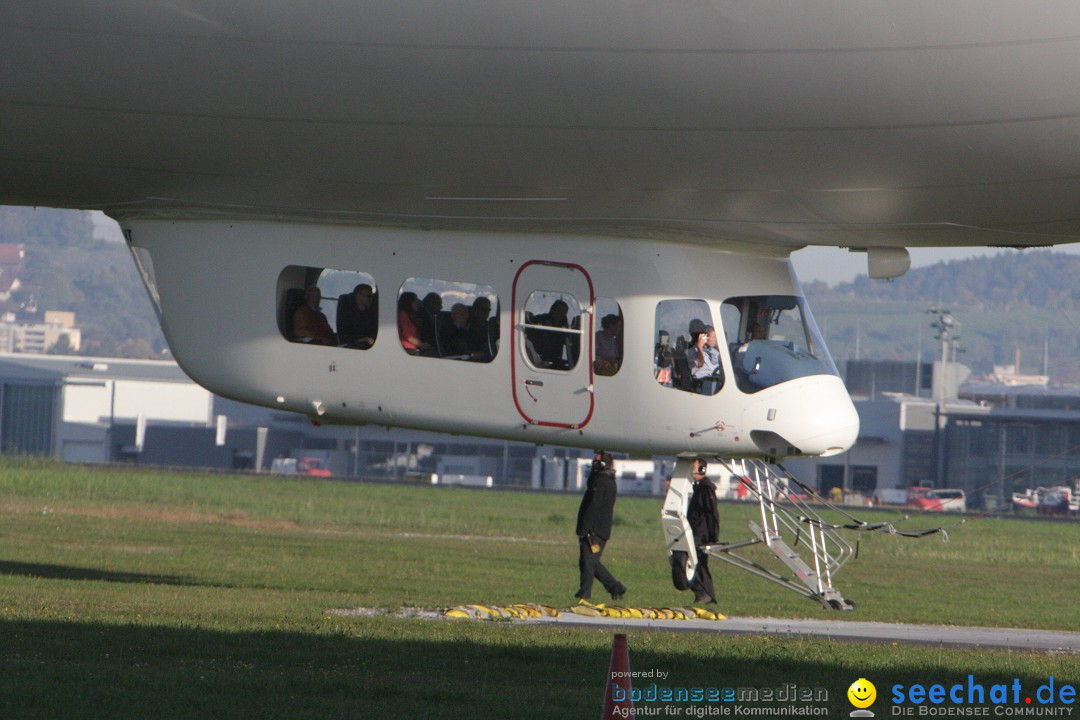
(618, 690)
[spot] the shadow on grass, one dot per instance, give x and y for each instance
(67, 572)
(389, 669)
(46, 571)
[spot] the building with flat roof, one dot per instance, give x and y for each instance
(80, 409)
(987, 439)
(38, 336)
(995, 439)
(1011, 439)
(68, 407)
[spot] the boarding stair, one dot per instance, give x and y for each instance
(812, 550)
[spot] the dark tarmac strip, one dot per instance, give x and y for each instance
(874, 632)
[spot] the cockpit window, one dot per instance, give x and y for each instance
(773, 339)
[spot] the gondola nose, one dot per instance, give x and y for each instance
(811, 416)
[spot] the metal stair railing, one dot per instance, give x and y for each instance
(787, 520)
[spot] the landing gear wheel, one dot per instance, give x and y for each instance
(678, 570)
(845, 605)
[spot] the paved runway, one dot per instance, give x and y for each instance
(940, 635)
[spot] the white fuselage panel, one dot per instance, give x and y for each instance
(221, 285)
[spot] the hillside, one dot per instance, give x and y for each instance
(1027, 301)
(1032, 279)
(67, 268)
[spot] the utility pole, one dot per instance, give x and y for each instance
(918, 364)
(948, 329)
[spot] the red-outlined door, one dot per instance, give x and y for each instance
(551, 346)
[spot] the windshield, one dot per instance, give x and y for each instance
(773, 339)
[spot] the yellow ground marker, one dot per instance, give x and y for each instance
(521, 611)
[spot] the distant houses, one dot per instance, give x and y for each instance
(11, 257)
(27, 330)
(52, 331)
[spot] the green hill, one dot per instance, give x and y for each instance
(1033, 279)
(1027, 301)
(67, 268)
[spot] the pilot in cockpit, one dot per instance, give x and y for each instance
(754, 331)
(743, 371)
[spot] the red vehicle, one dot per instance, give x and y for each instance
(1028, 499)
(1059, 499)
(310, 467)
(937, 499)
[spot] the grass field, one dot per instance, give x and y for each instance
(134, 594)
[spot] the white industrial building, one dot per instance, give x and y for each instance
(95, 410)
(143, 411)
(70, 407)
(149, 412)
(895, 449)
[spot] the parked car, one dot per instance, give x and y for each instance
(937, 499)
(309, 467)
(1054, 500)
(891, 496)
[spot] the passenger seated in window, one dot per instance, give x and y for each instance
(428, 318)
(680, 367)
(703, 357)
(480, 344)
(550, 346)
(455, 335)
(308, 322)
(358, 318)
(408, 312)
(608, 340)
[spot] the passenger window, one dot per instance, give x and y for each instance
(608, 342)
(773, 339)
(552, 330)
(323, 306)
(449, 320)
(687, 352)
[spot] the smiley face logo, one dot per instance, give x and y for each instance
(862, 693)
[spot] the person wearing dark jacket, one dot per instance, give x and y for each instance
(358, 318)
(705, 525)
(594, 528)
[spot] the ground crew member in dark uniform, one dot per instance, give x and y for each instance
(705, 526)
(594, 527)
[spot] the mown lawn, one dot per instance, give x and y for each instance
(133, 594)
